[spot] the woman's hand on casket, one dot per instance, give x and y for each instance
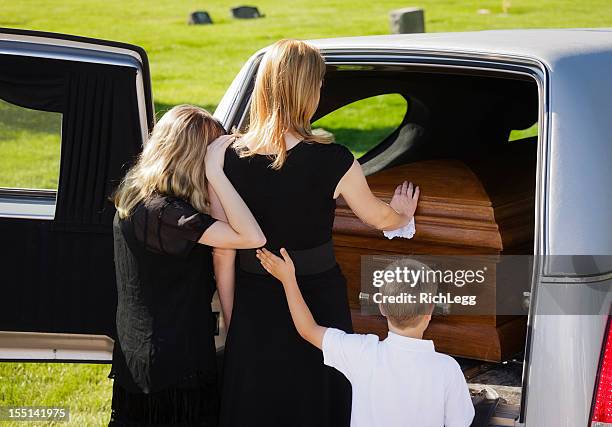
(405, 199)
(354, 188)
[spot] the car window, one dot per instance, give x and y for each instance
(363, 124)
(29, 147)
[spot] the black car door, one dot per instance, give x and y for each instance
(58, 295)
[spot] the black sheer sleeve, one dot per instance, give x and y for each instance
(169, 225)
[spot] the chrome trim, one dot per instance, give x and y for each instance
(595, 278)
(62, 53)
(55, 42)
(440, 66)
(251, 73)
(27, 203)
(234, 97)
(38, 346)
(439, 54)
(540, 242)
(29, 192)
(141, 99)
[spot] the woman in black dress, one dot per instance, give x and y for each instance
(164, 364)
(290, 177)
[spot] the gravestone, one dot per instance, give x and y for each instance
(246, 12)
(407, 20)
(199, 17)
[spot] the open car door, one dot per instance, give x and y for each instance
(58, 293)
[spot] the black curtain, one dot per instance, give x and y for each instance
(100, 135)
(24, 84)
(100, 128)
(58, 276)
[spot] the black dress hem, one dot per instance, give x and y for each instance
(180, 405)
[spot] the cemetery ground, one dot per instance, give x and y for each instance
(195, 64)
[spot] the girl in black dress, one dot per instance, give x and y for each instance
(290, 177)
(164, 365)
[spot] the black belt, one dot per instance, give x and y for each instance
(307, 261)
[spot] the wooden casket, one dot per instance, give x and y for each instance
(482, 206)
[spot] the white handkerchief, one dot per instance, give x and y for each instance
(407, 231)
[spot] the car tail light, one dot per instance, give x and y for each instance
(601, 415)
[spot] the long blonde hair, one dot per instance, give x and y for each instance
(172, 161)
(285, 97)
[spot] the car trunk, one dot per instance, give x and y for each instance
(469, 138)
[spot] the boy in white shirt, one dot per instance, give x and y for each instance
(401, 381)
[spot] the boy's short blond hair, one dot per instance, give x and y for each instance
(406, 314)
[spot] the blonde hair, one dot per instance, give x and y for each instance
(172, 161)
(406, 314)
(285, 97)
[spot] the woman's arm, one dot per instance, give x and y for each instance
(236, 230)
(223, 263)
(370, 209)
(241, 230)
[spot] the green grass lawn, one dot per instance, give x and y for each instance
(360, 125)
(84, 389)
(195, 64)
(29, 147)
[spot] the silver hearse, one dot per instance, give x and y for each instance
(464, 92)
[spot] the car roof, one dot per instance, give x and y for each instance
(545, 45)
